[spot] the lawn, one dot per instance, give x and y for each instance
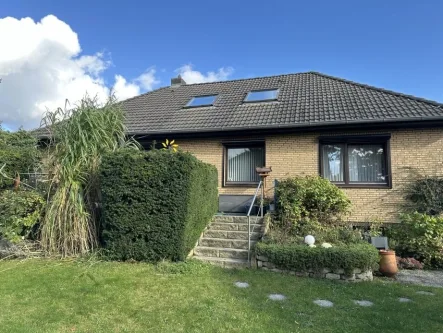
(93, 296)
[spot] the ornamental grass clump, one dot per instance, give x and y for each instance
(78, 137)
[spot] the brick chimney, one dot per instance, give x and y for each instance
(177, 81)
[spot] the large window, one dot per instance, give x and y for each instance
(356, 161)
(241, 161)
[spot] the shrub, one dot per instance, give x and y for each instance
(335, 235)
(155, 204)
(303, 258)
(408, 263)
(419, 236)
(310, 198)
(19, 212)
(425, 195)
(18, 154)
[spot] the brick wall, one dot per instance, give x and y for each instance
(412, 152)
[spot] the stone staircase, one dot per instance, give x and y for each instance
(225, 240)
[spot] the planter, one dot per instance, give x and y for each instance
(388, 263)
(272, 208)
(380, 243)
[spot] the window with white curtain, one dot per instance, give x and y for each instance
(355, 161)
(240, 163)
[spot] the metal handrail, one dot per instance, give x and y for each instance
(249, 218)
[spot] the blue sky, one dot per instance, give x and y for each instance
(393, 44)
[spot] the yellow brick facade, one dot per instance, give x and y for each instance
(413, 151)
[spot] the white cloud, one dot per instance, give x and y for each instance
(123, 89)
(147, 80)
(41, 66)
(192, 76)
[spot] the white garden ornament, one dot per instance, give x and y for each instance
(310, 240)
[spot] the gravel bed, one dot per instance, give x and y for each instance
(422, 278)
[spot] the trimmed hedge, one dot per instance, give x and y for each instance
(156, 204)
(301, 258)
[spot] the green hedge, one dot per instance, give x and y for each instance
(155, 204)
(301, 258)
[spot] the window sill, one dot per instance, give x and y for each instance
(246, 185)
(365, 186)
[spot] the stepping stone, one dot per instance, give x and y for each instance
(277, 297)
(404, 300)
(422, 292)
(364, 303)
(324, 303)
(241, 284)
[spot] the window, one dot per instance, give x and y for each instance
(201, 101)
(356, 161)
(241, 161)
(262, 95)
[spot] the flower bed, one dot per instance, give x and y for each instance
(352, 263)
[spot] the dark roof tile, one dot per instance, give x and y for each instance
(305, 99)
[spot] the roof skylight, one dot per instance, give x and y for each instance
(201, 101)
(261, 95)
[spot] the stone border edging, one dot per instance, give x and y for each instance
(358, 275)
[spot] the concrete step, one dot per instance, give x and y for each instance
(236, 226)
(219, 252)
(225, 243)
(236, 219)
(225, 262)
(230, 234)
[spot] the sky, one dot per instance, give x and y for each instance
(51, 51)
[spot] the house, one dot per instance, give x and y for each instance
(369, 141)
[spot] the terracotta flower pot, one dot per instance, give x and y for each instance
(388, 263)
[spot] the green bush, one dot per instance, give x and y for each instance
(155, 204)
(337, 235)
(425, 195)
(18, 152)
(307, 204)
(304, 258)
(19, 212)
(419, 236)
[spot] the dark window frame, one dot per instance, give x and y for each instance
(239, 144)
(187, 106)
(383, 139)
(262, 100)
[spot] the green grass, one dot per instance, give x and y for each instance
(82, 296)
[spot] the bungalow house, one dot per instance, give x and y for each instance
(369, 141)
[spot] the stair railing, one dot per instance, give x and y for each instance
(260, 184)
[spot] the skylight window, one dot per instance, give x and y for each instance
(262, 95)
(201, 101)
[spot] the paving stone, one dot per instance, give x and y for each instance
(277, 297)
(404, 300)
(241, 284)
(324, 303)
(422, 292)
(364, 303)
